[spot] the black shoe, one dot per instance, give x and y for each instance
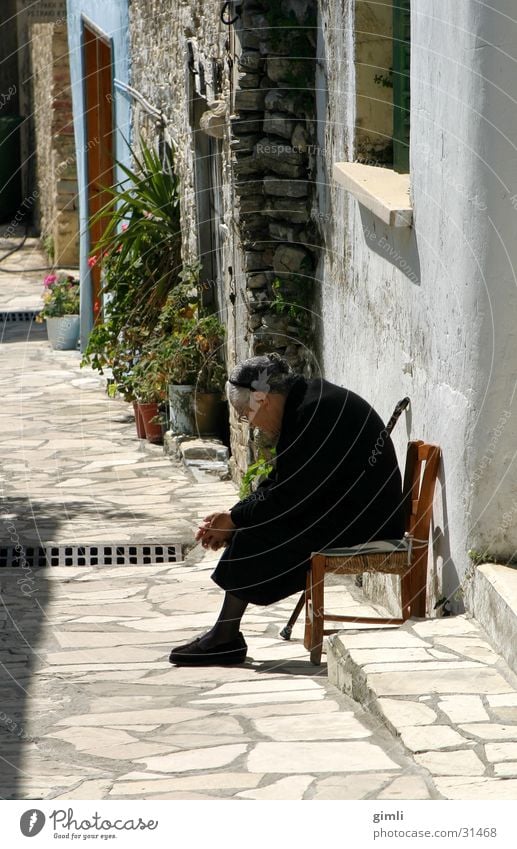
(224, 654)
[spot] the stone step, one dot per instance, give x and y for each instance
(491, 597)
(440, 687)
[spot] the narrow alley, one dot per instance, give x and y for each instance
(91, 707)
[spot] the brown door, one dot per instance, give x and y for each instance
(99, 136)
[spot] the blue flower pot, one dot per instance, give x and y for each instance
(63, 332)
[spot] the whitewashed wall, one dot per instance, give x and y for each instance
(431, 312)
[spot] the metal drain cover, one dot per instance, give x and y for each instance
(100, 554)
(19, 315)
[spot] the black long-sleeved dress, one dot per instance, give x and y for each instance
(336, 482)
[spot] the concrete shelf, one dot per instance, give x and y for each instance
(381, 190)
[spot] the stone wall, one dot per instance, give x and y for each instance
(55, 149)
(259, 104)
(9, 83)
(27, 13)
(441, 330)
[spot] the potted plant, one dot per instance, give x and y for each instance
(188, 344)
(149, 381)
(140, 258)
(140, 250)
(175, 347)
(211, 376)
(61, 311)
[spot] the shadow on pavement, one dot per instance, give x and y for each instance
(24, 598)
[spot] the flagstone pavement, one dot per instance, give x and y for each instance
(90, 707)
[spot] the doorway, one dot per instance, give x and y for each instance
(98, 92)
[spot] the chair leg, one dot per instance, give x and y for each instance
(307, 634)
(317, 575)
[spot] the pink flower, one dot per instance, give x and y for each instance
(49, 280)
(92, 261)
(125, 225)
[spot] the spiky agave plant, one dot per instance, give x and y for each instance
(140, 249)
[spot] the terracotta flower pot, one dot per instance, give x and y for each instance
(139, 422)
(153, 430)
(207, 410)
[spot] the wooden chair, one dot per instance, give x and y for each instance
(406, 557)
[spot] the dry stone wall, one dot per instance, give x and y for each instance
(55, 148)
(256, 80)
(273, 138)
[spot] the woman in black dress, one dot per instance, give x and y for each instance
(330, 487)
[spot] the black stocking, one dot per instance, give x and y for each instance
(228, 623)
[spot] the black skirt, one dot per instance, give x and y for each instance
(262, 569)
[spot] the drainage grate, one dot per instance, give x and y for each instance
(20, 315)
(129, 554)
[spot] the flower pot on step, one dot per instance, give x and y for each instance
(139, 422)
(207, 412)
(63, 332)
(181, 408)
(153, 430)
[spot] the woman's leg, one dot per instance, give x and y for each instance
(228, 622)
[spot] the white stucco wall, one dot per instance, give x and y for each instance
(443, 330)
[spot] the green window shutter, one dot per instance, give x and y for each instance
(401, 83)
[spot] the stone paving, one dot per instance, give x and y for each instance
(90, 707)
(74, 471)
(440, 687)
(105, 716)
(20, 286)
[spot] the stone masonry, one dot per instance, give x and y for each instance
(55, 147)
(258, 114)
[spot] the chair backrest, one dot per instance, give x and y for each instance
(422, 462)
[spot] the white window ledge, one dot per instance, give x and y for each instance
(381, 190)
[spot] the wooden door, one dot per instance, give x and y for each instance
(98, 88)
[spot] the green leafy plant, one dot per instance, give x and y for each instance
(140, 250)
(478, 557)
(140, 259)
(61, 296)
(48, 247)
(149, 379)
(255, 473)
(187, 345)
(292, 297)
(385, 80)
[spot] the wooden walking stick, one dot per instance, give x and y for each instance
(286, 632)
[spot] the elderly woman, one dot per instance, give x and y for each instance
(331, 486)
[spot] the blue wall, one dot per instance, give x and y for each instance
(111, 17)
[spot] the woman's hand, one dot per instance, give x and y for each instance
(216, 530)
